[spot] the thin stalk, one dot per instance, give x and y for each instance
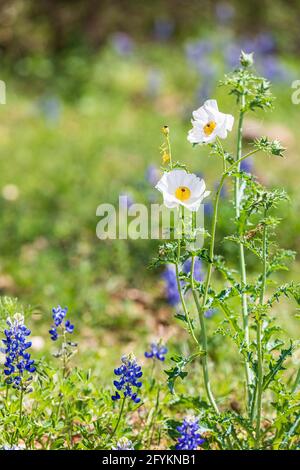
(241, 246)
(258, 341)
(152, 422)
(185, 309)
(169, 149)
(21, 405)
(186, 312)
(296, 383)
(119, 418)
(201, 308)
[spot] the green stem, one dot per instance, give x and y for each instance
(259, 342)
(201, 308)
(186, 312)
(21, 406)
(169, 150)
(242, 263)
(296, 383)
(182, 300)
(152, 422)
(119, 418)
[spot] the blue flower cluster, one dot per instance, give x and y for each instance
(198, 269)
(189, 439)
(169, 276)
(58, 315)
(123, 444)
(18, 360)
(157, 351)
(129, 372)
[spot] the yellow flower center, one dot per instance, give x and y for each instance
(209, 127)
(183, 193)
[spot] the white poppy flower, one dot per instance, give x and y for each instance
(209, 123)
(181, 188)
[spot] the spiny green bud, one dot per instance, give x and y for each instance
(246, 60)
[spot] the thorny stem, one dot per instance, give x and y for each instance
(186, 312)
(185, 309)
(237, 197)
(297, 380)
(201, 308)
(259, 338)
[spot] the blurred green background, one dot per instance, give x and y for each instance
(88, 87)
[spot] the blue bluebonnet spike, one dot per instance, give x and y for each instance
(128, 373)
(157, 351)
(18, 360)
(189, 439)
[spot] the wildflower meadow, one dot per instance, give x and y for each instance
(148, 254)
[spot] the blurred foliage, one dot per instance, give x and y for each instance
(50, 26)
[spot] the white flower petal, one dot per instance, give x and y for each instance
(202, 116)
(211, 104)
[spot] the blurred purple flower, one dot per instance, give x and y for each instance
(152, 174)
(122, 43)
(247, 165)
(196, 51)
(163, 29)
(198, 270)
(154, 83)
(224, 12)
(273, 69)
(265, 43)
(210, 312)
(208, 208)
(232, 53)
(51, 108)
(169, 277)
(125, 200)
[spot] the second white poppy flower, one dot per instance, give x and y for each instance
(181, 188)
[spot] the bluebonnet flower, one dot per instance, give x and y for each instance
(58, 315)
(190, 439)
(125, 200)
(18, 360)
(232, 54)
(265, 43)
(210, 312)
(157, 351)
(208, 208)
(154, 84)
(169, 277)
(50, 107)
(273, 69)
(198, 271)
(247, 165)
(124, 444)
(224, 12)
(196, 51)
(163, 29)
(129, 374)
(152, 174)
(122, 43)
(14, 447)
